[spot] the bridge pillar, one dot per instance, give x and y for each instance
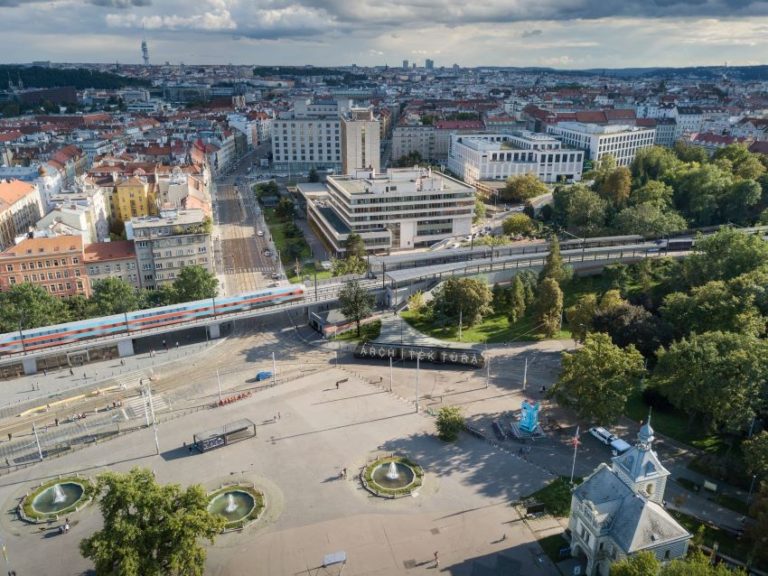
(125, 348)
(214, 331)
(30, 365)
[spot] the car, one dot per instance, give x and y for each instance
(498, 430)
(274, 284)
(260, 233)
(263, 375)
(602, 435)
(275, 276)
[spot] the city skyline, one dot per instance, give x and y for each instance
(567, 34)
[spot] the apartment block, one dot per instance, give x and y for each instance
(621, 141)
(20, 209)
(480, 157)
(167, 243)
(112, 260)
(400, 209)
(360, 140)
(56, 264)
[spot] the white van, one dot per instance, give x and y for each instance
(602, 434)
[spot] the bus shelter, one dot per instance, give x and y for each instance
(224, 435)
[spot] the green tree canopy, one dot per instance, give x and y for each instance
(653, 192)
(449, 423)
(468, 298)
(522, 188)
(643, 563)
(549, 306)
(648, 220)
(195, 283)
(355, 246)
(479, 210)
(629, 324)
(580, 316)
(553, 265)
(518, 224)
(30, 306)
(718, 376)
(598, 379)
(580, 210)
(616, 186)
(517, 304)
(356, 303)
(149, 529)
(284, 209)
(653, 164)
(114, 296)
(756, 454)
(724, 255)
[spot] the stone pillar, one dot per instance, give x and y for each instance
(30, 365)
(125, 348)
(214, 331)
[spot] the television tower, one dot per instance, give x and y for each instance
(144, 50)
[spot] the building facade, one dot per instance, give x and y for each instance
(56, 264)
(20, 209)
(112, 260)
(167, 243)
(620, 141)
(360, 140)
(413, 138)
(619, 511)
(400, 209)
(133, 197)
(480, 157)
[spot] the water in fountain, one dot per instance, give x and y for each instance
(392, 473)
(231, 504)
(58, 494)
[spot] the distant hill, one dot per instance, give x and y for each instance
(80, 78)
(745, 73)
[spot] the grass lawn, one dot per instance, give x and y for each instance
(368, 333)
(672, 423)
(308, 268)
(556, 496)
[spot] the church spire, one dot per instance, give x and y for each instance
(645, 436)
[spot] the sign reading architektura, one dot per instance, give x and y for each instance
(382, 351)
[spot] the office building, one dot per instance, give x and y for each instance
(478, 157)
(360, 140)
(309, 136)
(429, 64)
(621, 141)
(167, 243)
(55, 264)
(405, 64)
(400, 209)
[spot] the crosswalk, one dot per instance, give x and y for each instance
(135, 407)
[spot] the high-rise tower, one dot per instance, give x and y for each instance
(145, 51)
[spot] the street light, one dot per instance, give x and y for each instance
(751, 488)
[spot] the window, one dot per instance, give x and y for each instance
(666, 555)
(75, 260)
(12, 280)
(9, 267)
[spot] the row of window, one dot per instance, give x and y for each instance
(95, 270)
(51, 287)
(43, 264)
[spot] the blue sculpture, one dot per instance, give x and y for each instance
(529, 420)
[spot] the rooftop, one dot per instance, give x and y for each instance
(105, 251)
(46, 246)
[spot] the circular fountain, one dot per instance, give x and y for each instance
(238, 505)
(392, 477)
(55, 498)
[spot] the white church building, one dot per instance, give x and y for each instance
(618, 511)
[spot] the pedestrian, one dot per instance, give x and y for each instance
(10, 436)
(122, 362)
(278, 415)
(56, 421)
(190, 448)
(344, 472)
(45, 372)
(177, 344)
(337, 385)
(71, 372)
(141, 381)
(165, 345)
(437, 560)
(84, 376)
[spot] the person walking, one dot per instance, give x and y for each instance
(437, 560)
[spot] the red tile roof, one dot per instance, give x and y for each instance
(103, 251)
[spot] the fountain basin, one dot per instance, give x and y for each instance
(392, 477)
(55, 498)
(238, 505)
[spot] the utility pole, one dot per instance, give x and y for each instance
(487, 371)
(525, 373)
(154, 421)
(37, 441)
(274, 370)
(218, 380)
(575, 448)
(390, 373)
(417, 384)
(461, 319)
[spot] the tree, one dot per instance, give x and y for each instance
(580, 316)
(616, 186)
(518, 224)
(724, 255)
(553, 265)
(756, 454)
(479, 210)
(689, 153)
(654, 193)
(114, 296)
(348, 265)
(416, 302)
(718, 376)
(698, 564)
(517, 303)
(149, 529)
(640, 564)
(579, 209)
(195, 283)
(530, 283)
(629, 324)
(653, 163)
(30, 306)
(598, 378)
(162, 296)
(549, 307)
(313, 175)
(700, 191)
(648, 220)
(468, 299)
(739, 204)
(522, 188)
(355, 246)
(78, 307)
(449, 423)
(757, 529)
(356, 302)
(284, 209)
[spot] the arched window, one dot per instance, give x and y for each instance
(649, 488)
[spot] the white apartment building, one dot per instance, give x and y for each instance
(360, 143)
(477, 157)
(400, 209)
(622, 142)
(689, 120)
(309, 136)
(167, 243)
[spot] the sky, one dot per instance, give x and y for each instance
(568, 34)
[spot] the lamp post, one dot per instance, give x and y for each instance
(751, 488)
(21, 333)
